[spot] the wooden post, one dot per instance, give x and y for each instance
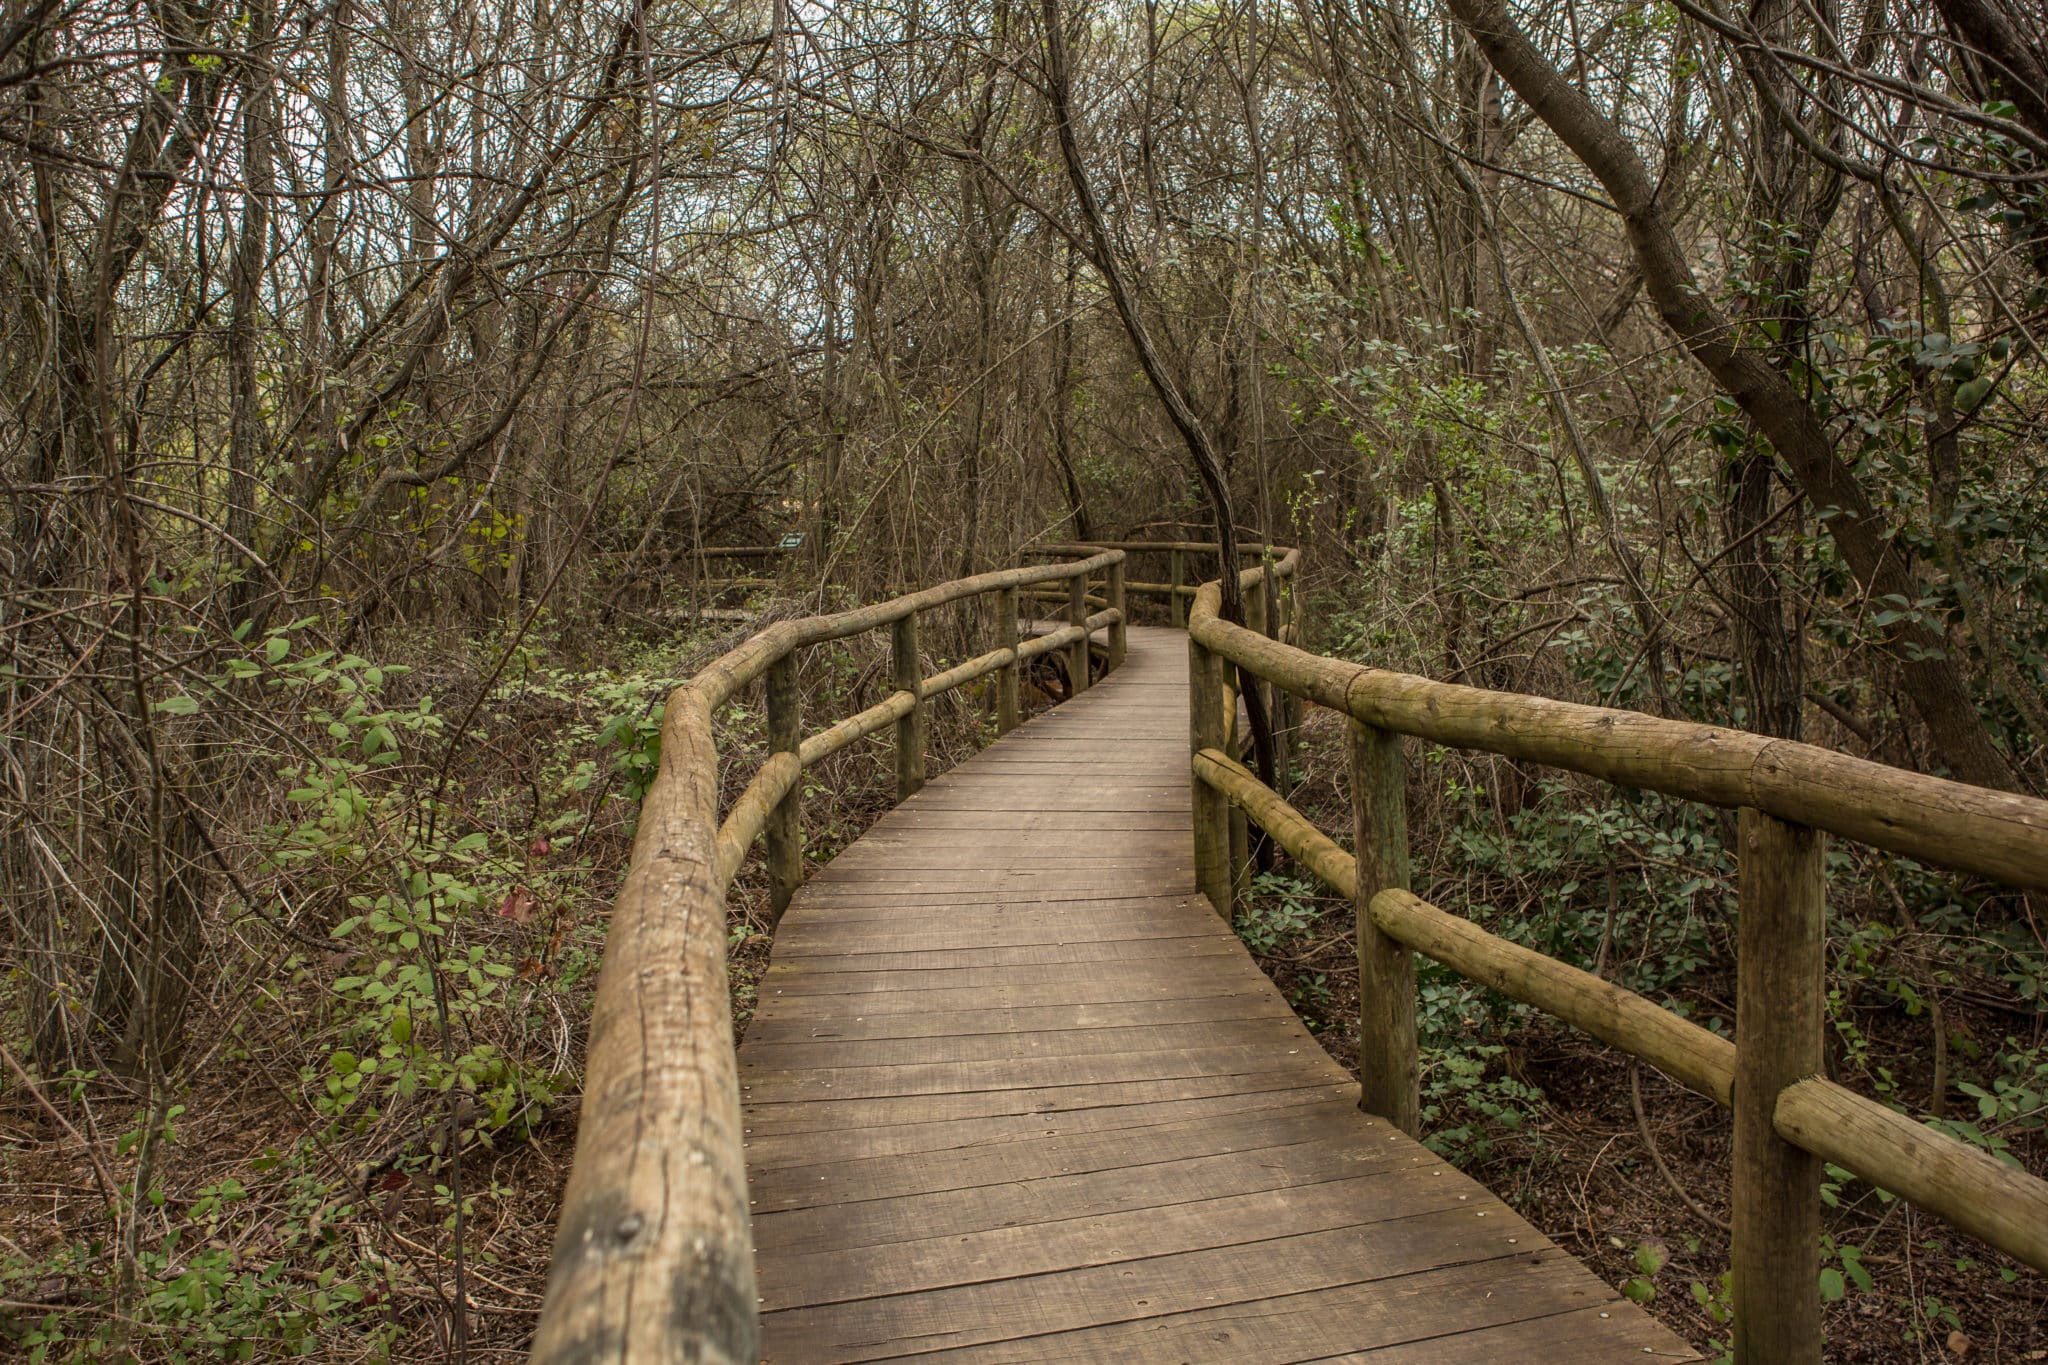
(1388, 1066)
(1257, 620)
(909, 677)
(1258, 610)
(1178, 604)
(1240, 859)
(1212, 822)
(1118, 641)
(785, 828)
(1781, 939)
(1239, 842)
(1288, 723)
(1077, 653)
(1006, 676)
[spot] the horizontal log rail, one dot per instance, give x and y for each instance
(1177, 591)
(653, 1256)
(1788, 1118)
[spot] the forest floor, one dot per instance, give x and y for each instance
(299, 1193)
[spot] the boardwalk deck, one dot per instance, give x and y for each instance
(1014, 1093)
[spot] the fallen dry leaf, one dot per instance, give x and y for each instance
(517, 906)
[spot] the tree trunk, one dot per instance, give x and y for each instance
(1882, 566)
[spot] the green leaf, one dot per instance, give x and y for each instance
(275, 648)
(180, 705)
(1832, 1286)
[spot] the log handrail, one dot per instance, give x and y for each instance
(1788, 1118)
(653, 1257)
(1994, 834)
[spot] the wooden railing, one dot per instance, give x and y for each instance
(1789, 1118)
(1181, 556)
(653, 1256)
(1270, 612)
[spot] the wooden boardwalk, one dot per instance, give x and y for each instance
(1013, 1092)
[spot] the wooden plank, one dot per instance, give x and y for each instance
(1118, 1256)
(1056, 821)
(1013, 1019)
(1053, 1103)
(995, 1046)
(1172, 919)
(881, 925)
(778, 1151)
(1078, 991)
(1072, 949)
(996, 796)
(950, 1213)
(842, 902)
(1591, 1333)
(827, 1181)
(1297, 1326)
(1131, 879)
(1174, 977)
(892, 848)
(1026, 860)
(1144, 950)
(760, 1085)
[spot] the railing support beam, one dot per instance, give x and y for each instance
(1119, 641)
(1780, 1014)
(1077, 653)
(1175, 579)
(909, 677)
(1212, 812)
(785, 822)
(1288, 724)
(1389, 1067)
(1007, 675)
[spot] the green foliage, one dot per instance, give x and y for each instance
(1658, 920)
(407, 1027)
(1468, 1105)
(1841, 1268)
(1648, 1259)
(205, 1293)
(617, 713)
(1278, 909)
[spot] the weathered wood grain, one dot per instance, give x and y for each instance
(1996, 834)
(652, 1259)
(1780, 1020)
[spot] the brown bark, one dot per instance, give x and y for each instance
(1201, 451)
(1883, 568)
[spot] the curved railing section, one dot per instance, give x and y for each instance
(653, 1256)
(1789, 1118)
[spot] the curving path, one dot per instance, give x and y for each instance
(1013, 1092)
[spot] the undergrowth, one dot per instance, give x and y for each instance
(1933, 1007)
(376, 1106)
